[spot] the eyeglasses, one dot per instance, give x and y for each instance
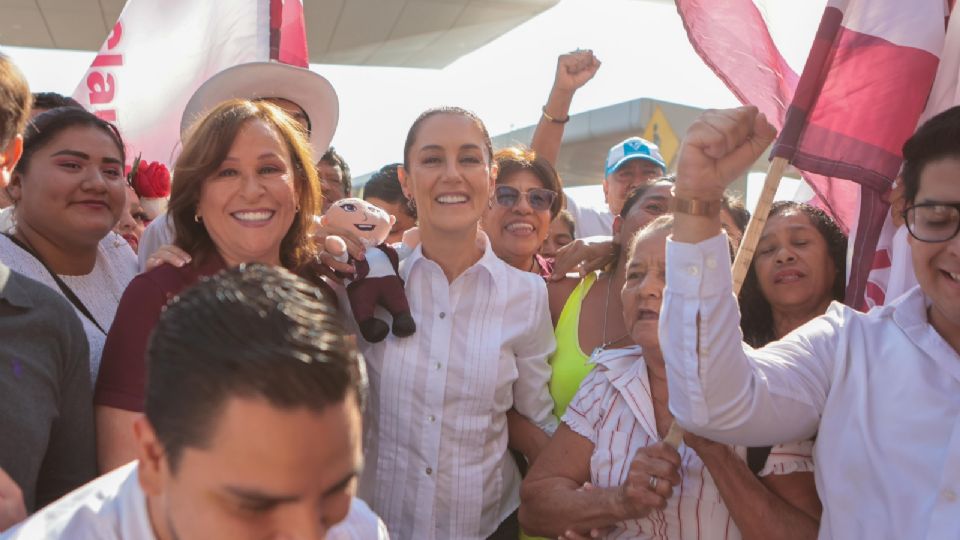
(933, 222)
(539, 199)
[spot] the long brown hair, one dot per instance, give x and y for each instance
(208, 144)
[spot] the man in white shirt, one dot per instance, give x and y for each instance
(881, 391)
(252, 426)
(630, 163)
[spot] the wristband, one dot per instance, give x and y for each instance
(552, 119)
(696, 207)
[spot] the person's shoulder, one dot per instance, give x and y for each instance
(51, 305)
(95, 510)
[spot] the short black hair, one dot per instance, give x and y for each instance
(53, 100)
(251, 331)
(44, 127)
(937, 138)
(15, 101)
(332, 158)
(756, 315)
(385, 185)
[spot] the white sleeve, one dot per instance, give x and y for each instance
(157, 234)
(531, 390)
(720, 387)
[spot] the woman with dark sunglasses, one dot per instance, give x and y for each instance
(526, 198)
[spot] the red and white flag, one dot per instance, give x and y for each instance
(863, 88)
(159, 53)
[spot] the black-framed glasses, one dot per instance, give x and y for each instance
(933, 222)
(539, 199)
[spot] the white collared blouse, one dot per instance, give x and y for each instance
(880, 390)
(614, 410)
(437, 465)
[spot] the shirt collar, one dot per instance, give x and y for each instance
(12, 290)
(488, 261)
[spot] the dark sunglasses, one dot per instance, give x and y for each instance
(539, 199)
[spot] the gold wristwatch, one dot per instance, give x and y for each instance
(696, 207)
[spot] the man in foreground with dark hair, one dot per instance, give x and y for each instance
(252, 426)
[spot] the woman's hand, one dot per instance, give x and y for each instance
(575, 69)
(583, 256)
(168, 254)
(654, 472)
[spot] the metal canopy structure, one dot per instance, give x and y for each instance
(397, 33)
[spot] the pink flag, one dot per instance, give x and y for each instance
(159, 53)
(863, 88)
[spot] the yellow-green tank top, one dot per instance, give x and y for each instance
(569, 362)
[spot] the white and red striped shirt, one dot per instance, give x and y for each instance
(614, 410)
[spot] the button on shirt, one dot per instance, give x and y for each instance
(881, 390)
(437, 465)
(614, 410)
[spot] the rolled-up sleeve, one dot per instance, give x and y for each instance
(531, 391)
(720, 387)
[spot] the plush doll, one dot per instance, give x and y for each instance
(377, 281)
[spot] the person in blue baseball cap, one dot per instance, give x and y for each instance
(630, 163)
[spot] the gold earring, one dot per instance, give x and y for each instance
(197, 218)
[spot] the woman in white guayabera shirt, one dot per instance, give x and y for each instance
(437, 464)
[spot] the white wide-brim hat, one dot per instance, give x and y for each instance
(260, 80)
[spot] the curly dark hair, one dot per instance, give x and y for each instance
(756, 315)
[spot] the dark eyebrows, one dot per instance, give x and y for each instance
(263, 499)
(85, 156)
(468, 146)
(260, 498)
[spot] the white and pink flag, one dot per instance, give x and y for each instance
(861, 93)
(159, 53)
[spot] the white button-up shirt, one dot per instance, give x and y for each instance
(437, 465)
(881, 390)
(614, 410)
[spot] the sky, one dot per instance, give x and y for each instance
(641, 43)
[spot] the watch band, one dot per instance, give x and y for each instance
(696, 207)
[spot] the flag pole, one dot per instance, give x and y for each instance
(751, 236)
(748, 246)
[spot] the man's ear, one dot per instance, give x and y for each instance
(617, 227)
(606, 191)
(153, 468)
(9, 158)
(393, 220)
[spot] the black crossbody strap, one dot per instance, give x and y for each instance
(64, 288)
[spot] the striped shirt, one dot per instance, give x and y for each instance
(614, 410)
(435, 442)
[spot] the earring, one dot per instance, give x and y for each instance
(412, 204)
(197, 218)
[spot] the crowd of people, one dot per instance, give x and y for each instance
(183, 355)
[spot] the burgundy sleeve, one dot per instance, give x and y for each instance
(121, 382)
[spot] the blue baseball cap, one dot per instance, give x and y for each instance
(633, 148)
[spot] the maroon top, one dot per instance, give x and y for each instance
(121, 382)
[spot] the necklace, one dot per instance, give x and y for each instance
(606, 308)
